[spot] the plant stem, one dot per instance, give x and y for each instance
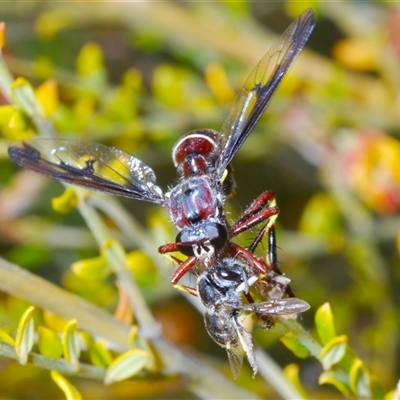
(115, 255)
(37, 291)
(85, 370)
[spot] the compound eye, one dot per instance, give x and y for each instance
(186, 249)
(230, 276)
(217, 235)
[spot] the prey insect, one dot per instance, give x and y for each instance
(226, 287)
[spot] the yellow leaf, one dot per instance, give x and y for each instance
(71, 344)
(90, 59)
(25, 335)
(25, 96)
(356, 54)
(126, 365)
(6, 113)
(291, 371)
(333, 352)
(66, 202)
(98, 351)
(218, 83)
(325, 323)
(53, 321)
(6, 338)
(92, 269)
(17, 120)
(70, 391)
(49, 343)
(49, 23)
(47, 94)
(359, 379)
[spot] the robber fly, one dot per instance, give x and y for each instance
(196, 204)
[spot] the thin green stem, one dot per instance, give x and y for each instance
(6, 79)
(85, 370)
(43, 294)
(37, 291)
(272, 372)
(115, 255)
(302, 335)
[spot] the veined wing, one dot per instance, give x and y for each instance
(260, 86)
(287, 306)
(235, 357)
(240, 341)
(91, 165)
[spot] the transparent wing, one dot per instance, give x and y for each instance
(246, 341)
(91, 165)
(260, 86)
(235, 357)
(287, 306)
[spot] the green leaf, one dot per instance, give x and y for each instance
(98, 351)
(49, 343)
(392, 395)
(338, 379)
(100, 355)
(126, 365)
(6, 338)
(142, 267)
(25, 335)
(325, 324)
(139, 342)
(6, 113)
(291, 341)
(295, 8)
(238, 7)
(169, 84)
(29, 255)
(321, 219)
(50, 22)
(95, 268)
(17, 121)
(90, 59)
(66, 202)
(377, 389)
(333, 352)
(70, 391)
(291, 371)
(25, 96)
(71, 344)
(90, 66)
(47, 95)
(359, 379)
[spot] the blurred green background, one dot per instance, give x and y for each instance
(138, 76)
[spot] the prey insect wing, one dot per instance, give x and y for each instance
(285, 306)
(90, 165)
(260, 86)
(235, 358)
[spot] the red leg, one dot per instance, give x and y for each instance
(184, 266)
(263, 208)
(183, 269)
(255, 219)
(253, 215)
(258, 204)
(258, 264)
(168, 248)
